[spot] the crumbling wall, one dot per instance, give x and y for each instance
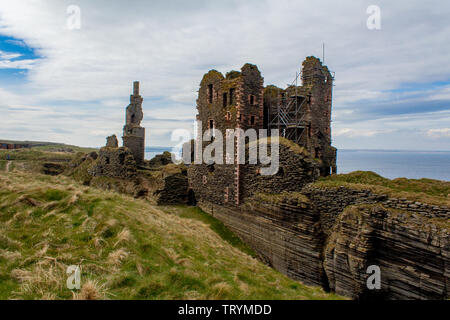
(160, 160)
(133, 133)
(296, 169)
(314, 97)
(112, 141)
(173, 189)
(114, 163)
(234, 101)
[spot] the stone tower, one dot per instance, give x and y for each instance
(133, 133)
(303, 113)
(233, 101)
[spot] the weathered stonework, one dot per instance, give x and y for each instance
(133, 133)
(331, 236)
(325, 236)
(171, 186)
(114, 163)
(217, 183)
(160, 160)
(112, 141)
(412, 251)
(239, 101)
(313, 123)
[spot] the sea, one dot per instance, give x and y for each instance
(387, 163)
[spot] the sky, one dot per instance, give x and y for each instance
(66, 82)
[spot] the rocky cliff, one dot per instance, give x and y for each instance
(329, 236)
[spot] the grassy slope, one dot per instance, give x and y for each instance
(44, 153)
(425, 190)
(127, 248)
(49, 146)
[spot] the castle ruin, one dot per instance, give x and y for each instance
(323, 235)
(302, 114)
(133, 133)
(115, 162)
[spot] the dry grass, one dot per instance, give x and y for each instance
(124, 236)
(116, 257)
(91, 290)
(128, 249)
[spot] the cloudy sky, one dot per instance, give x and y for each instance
(64, 84)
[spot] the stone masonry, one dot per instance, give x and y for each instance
(320, 236)
(239, 100)
(133, 133)
(314, 98)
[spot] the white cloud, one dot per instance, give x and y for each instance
(355, 133)
(169, 46)
(17, 64)
(8, 55)
(442, 94)
(6, 63)
(439, 133)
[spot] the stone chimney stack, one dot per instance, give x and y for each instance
(136, 88)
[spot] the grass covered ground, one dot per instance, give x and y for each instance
(49, 146)
(425, 190)
(127, 248)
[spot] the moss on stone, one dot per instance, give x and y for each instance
(297, 149)
(233, 74)
(211, 76)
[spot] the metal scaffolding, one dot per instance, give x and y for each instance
(288, 116)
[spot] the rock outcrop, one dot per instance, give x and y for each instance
(412, 252)
(330, 236)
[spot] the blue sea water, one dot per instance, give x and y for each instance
(389, 164)
(397, 164)
(150, 152)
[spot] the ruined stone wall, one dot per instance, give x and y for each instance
(112, 141)
(319, 81)
(114, 163)
(172, 190)
(296, 169)
(314, 97)
(231, 102)
(215, 183)
(133, 133)
(136, 145)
